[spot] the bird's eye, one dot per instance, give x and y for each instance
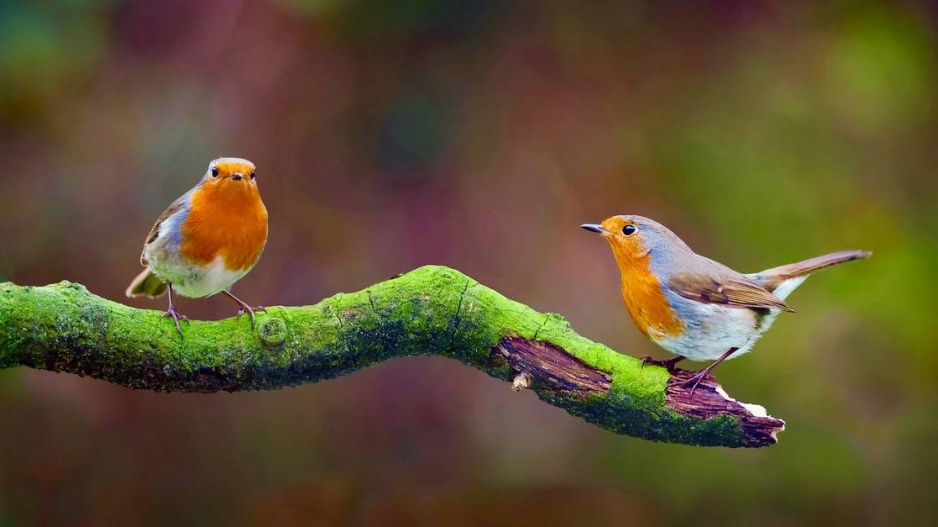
(628, 230)
(252, 174)
(214, 172)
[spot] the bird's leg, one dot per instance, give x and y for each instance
(695, 380)
(172, 313)
(244, 308)
(668, 364)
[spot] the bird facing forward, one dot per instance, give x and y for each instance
(207, 240)
(692, 306)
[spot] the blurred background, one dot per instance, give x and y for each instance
(480, 135)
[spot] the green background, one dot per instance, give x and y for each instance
(479, 135)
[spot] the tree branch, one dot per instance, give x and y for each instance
(430, 311)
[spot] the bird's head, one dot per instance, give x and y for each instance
(231, 173)
(634, 237)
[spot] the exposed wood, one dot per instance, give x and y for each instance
(709, 400)
(552, 368)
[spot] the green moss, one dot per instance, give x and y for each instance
(432, 310)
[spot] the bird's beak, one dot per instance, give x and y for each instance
(237, 177)
(592, 227)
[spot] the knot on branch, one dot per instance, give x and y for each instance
(272, 332)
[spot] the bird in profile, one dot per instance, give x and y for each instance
(692, 306)
(207, 240)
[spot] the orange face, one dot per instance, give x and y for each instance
(232, 170)
(625, 239)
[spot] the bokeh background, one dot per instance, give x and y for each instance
(479, 135)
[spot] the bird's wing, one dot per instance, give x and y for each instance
(175, 207)
(734, 291)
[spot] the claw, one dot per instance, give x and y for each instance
(667, 364)
(694, 381)
(176, 316)
(250, 311)
(245, 308)
(645, 360)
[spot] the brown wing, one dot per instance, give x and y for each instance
(155, 231)
(729, 291)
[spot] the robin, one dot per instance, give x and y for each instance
(692, 306)
(206, 240)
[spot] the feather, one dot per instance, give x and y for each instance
(772, 278)
(146, 284)
(154, 233)
(734, 291)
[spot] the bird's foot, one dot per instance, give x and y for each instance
(176, 316)
(695, 380)
(250, 311)
(668, 364)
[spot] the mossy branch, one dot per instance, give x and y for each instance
(430, 311)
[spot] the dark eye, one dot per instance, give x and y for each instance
(214, 172)
(252, 174)
(628, 230)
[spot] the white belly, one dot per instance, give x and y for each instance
(195, 281)
(712, 329)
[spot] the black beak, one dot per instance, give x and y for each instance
(237, 177)
(592, 227)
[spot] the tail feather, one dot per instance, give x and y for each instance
(146, 284)
(772, 278)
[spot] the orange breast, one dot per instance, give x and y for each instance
(645, 301)
(226, 219)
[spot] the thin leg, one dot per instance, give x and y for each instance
(668, 364)
(172, 313)
(244, 308)
(695, 380)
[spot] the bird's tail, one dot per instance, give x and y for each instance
(146, 284)
(772, 278)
